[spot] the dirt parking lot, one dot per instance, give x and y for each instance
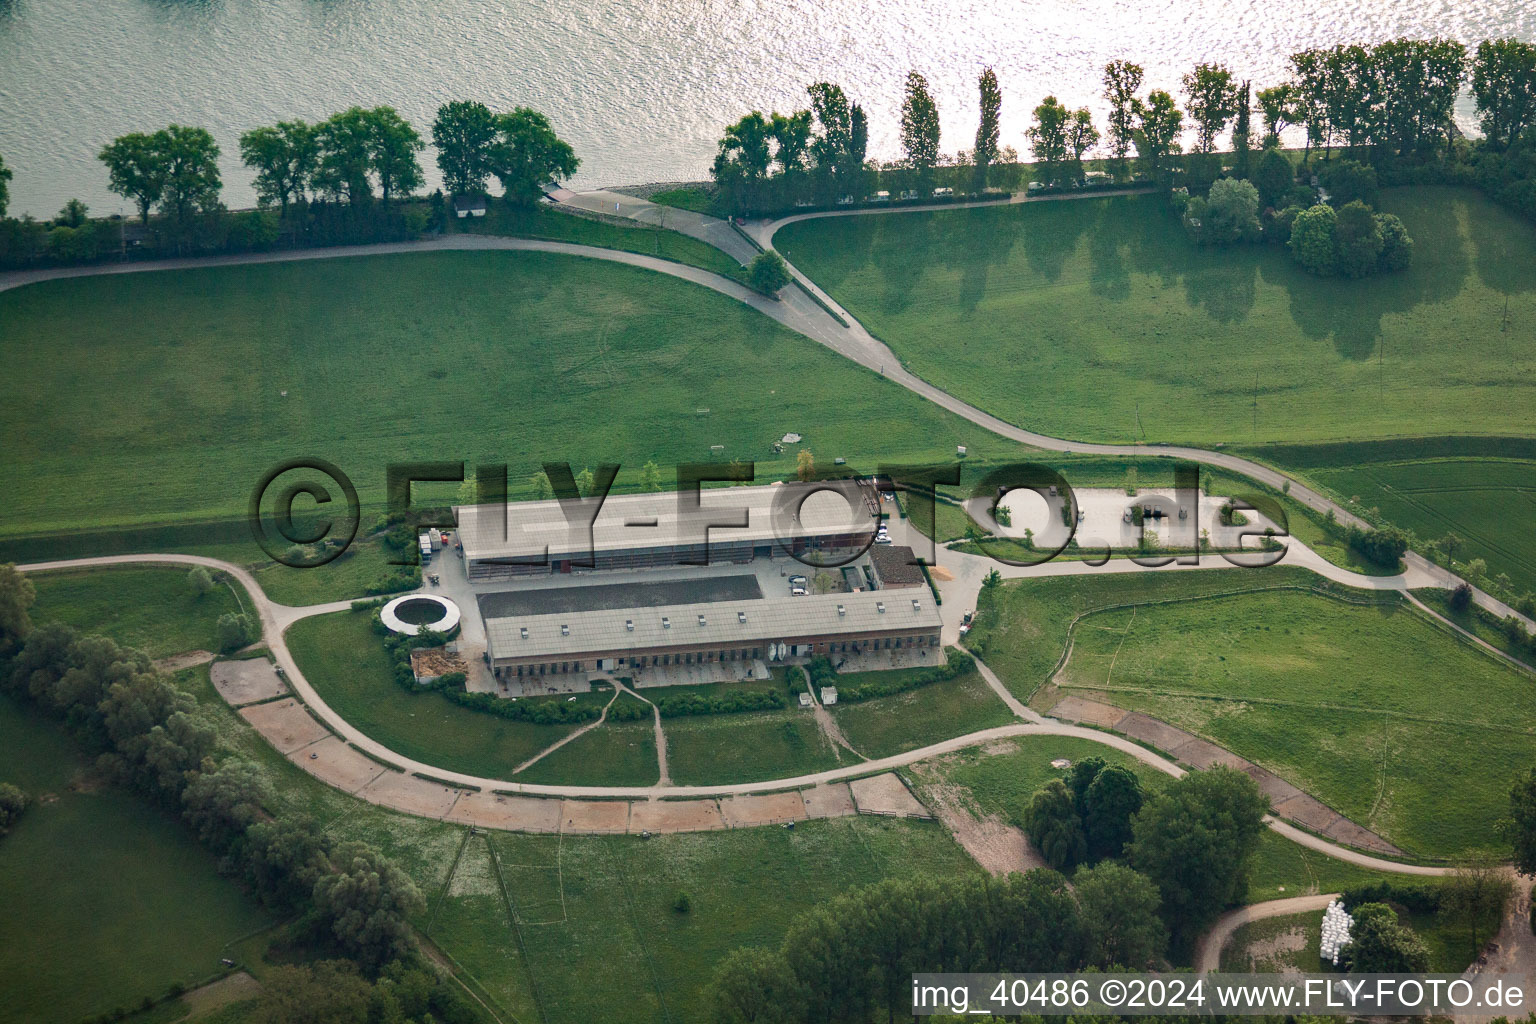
(248, 681)
(286, 724)
(674, 816)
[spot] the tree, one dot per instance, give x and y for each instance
(5, 190)
(1396, 244)
(1308, 97)
(1211, 101)
(1416, 84)
(368, 902)
(392, 148)
(200, 581)
(837, 148)
(1503, 84)
(1196, 841)
(1158, 123)
(768, 273)
(1474, 898)
(1273, 177)
(1358, 240)
(1347, 181)
(791, 135)
(1119, 912)
(74, 214)
(985, 153)
(12, 802)
(650, 476)
(805, 465)
(1277, 110)
(1047, 134)
(1312, 241)
(1519, 829)
(220, 805)
(542, 490)
(528, 154)
(1232, 211)
(1242, 132)
(284, 858)
(190, 161)
(585, 482)
(1051, 821)
(16, 597)
(464, 133)
(1380, 945)
(284, 157)
(1109, 804)
(344, 144)
(136, 170)
(741, 162)
(1122, 80)
(328, 992)
(1080, 776)
(752, 986)
(992, 580)
(919, 128)
(1081, 137)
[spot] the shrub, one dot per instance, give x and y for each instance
(235, 631)
(1416, 899)
(1358, 240)
(958, 664)
(200, 580)
(1396, 245)
(1384, 547)
(1461, 597)
(682, 904)
(12, 802)
(1273, 177)
(1348, 181)
(1312, 240)
(1232, 212)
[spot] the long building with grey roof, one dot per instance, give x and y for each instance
(633, 639)
(630, 531)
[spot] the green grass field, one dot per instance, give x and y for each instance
(1098, 319)
(198, 381)
(543, 222)
(152, 608)
(748, 747)
(613, 754)
(999, 779)
(1374, 709)
(1489, 503)
(346, 663)
(107, 899)
(928, 714)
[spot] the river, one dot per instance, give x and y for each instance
(641, 88)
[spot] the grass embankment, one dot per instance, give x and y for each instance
(199, 381)
(108, 900)
(542, 222)
(905, 721)
(999, 780)
(1100, 320)
(1375, 710)
(149, 607)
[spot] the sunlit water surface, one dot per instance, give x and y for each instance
(640, 87)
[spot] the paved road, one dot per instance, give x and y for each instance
(1208, 949)
(275, 618)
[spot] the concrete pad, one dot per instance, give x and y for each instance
(1202, 754)
(508, 813)
(834, 800)
(886, 794)
(1087, 712)
(594, 815)
(336, 764)
(674, 816)
(285, 723)
(1309, 812)
(1149, 730)
(245, 682)
(766, 809)
(409, 794)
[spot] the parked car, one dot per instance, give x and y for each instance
(941, 193)
(1035, 186)
(910, 193)
(845, 200)
(880, 197)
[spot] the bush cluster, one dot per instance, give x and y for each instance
(1414, 898)
(822, 674)
(729, 702)
(539, 712)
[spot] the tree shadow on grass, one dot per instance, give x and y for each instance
(900, 253)
(1226, 289)
(975, 242)
(1349, 312)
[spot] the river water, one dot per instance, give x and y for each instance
(641, 88)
